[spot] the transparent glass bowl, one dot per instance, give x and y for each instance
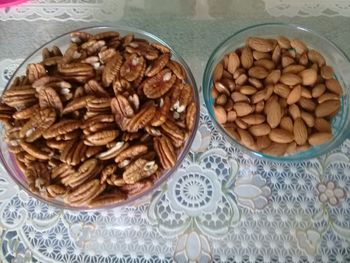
(8, 159)
(334, 56)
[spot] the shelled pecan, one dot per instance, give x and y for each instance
(100, 121)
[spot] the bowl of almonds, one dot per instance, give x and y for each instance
(279, 91)
(98, 117)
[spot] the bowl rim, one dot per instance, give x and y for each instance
(207, 79)
(158, 183)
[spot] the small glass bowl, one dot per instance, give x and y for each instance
(62, 41)
(334, 56)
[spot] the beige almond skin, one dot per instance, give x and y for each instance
(260, 129)
(283, 42)
(327, 108)
(259, 96)
(246, 138)
(294, 111)
(319, 138)
(260, 44)
(290, 79)
(281, 90)
(254, 119)
(233, 62)
(265, 63)
(281, 136)
(306, 93)
(239, 97)
(242, 108)
(247, 90)
(263, 142)
(287, 123)
(316, 57)
(298, 45)
(276, 149)
(273, 113)
(300, 131)
(327, 72)
(322, 125)
(258, 72)
(318, 90)
(334, 86)
(308, 118)
(220, 114)
(295, 69)
(294, 95)
(273, 77)
(259, 107)
(327, 96)
(308, 76)
(247, 58)
(286, 61)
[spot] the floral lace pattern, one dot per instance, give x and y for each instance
(63, 10)
(222, 205)
(307, 8)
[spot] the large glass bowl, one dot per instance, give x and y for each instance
(334, 56)
(8, 159)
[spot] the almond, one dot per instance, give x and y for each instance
(242, 109)
(294, 95)
(308, 118)
(298, 45)
(300, 131)
(217, 74)
(281, 90)
(306, 93)
(327, 72)
(294, 111)
(273, 77)
(247, 90)
(259, 107)
(265, 63)
(247, 58)
(276, 54)
(241, 124)
(276, 149)
(246, 138)
(220, 114)
(273, 113)
(307, 104)
(318, 90)
(320, 138)
(221, 88)
(233, 62)
(334, 86)
(233, 133)
(287, 123)
(263, 142)
(238, 73)
(286, 61)
(283, 42)
(315, 57)
(260, 129)
(221, 99)
(303, 60)
(291, 148)
(269, 90)
(229, 105)
(290, 79)
(281, 136)
(239, 97)
(295, 69)
(327, 96)
(322, 125)
(241, 79)
(228, 83)
(327, 108)
(260, 44)
(309, 76)
(255, 82)
(254, 119)
(259, 55)
(231, 116)
(259, 96)
(303, 148)
(258, 72)
(214, 93)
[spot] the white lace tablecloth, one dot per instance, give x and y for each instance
(222, 205)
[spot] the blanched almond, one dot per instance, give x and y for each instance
(320, 138)
(242, 108)
(334, 86)
(258, 72)
(220, 114)
(294, 95)
(233, 62)
(318, 90)
(322, 125)
(260, 44)
(290, 79)
(260, 129)
(300, 131)
(327, 108)
(309, 76)
(327, 72)
(281, 136)
(247, 58)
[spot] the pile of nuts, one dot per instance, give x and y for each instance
(276, 96)
(101, 121)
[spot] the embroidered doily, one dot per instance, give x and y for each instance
(220, 206)
(63, 10)
(308, 8)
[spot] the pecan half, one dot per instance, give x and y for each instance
(162, 114)
(48, 98)
(131, 152)
(113, 151)
(55, 190)
(165, 151)
(101, 137)
(139, 170)
(177, 69)
(35, 71)
(92, 87)
(111, 69)
(158, 85)
(141, 119)
(77, 104)
(157, 65)
(84, 193)
(106, 54)
(175, 133)
(191, 116)
(132, 67)
(61, 128)
(107, 199)
(138, 187)
(34, 151)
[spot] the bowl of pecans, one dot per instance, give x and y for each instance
(98, 117)
(279, 91)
